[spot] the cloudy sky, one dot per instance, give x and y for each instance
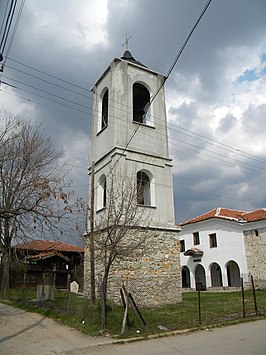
(216, 94)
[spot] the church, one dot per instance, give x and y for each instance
(131, 167)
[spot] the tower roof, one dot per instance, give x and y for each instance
(128, 57)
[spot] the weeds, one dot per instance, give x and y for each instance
(216, 308)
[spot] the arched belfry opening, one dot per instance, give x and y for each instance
(143, 189)
(104, 118)
(101, 193)
(141, 102)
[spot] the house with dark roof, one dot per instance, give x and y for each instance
(221, 246)
(47, 259)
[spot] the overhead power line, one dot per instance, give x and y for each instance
(187, 39)
(175, 128)
(45, 91)
(171, 68)
(8, 23)
(8, 26)
(189, 146)
(186, 132)
(168, 74)
(15, 27)
(42, 104)
(48, 82)
(50, 75)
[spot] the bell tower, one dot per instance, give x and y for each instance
(129, 130)
(129, 140)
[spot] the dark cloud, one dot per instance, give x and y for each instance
(208, 110)
(227, 124)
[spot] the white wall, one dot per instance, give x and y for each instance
(148, 150)
(230, 246)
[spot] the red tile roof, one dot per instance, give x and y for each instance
(46, 255)
(257, 215)
(228, 214)
(45, 245)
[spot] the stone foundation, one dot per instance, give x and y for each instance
(152, 274)
(255, 252)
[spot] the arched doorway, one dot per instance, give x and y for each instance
(200, 278)
(233, 274)
(185, 277)
(216, 275)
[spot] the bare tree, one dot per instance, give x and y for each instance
(117, 230)
(34, 196)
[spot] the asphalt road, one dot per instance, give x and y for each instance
(24, 333)
(248, 338)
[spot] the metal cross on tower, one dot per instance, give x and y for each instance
(126, 42)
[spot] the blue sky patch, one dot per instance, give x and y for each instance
(249, 75)
(252, 75)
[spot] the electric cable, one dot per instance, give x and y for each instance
(52, 76)
(8, 25)
(228, 161)
(47, 81)
(189, 146)
(168, 73)
(46, 92)
(2, 26)
(235, 149)
(15, 27)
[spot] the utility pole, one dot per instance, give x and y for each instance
(92, 257)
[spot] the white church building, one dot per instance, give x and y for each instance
(220, 247)
(129, 140)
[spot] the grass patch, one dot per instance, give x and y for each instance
(217, 308)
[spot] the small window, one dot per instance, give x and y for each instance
(141, 103)
(182, 246)
(213, 240)
(104, 110)
(101, 193)
(143, 189)
(196, 239)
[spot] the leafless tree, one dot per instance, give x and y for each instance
(34, 196)
(120, 230)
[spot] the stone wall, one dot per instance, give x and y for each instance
(152, 274)
(255, 252)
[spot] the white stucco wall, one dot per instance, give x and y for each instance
(161, 211)
(230, 246)
(119, 80)
(148, 150)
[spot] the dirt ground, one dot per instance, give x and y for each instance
(30, 333)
